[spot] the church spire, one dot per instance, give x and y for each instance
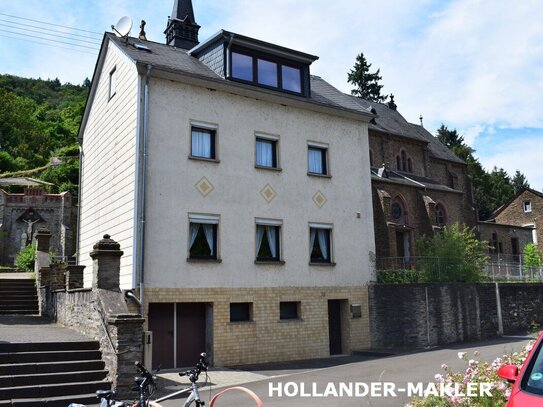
(182, 30)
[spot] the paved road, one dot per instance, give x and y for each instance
(399, 370)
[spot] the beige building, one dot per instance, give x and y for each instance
(238, 186)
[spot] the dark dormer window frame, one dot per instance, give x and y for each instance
(275, 69)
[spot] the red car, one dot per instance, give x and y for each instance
(527, 390)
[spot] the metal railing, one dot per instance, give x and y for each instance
(420, 269)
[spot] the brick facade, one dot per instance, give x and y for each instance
(266, 338)
(505, 237)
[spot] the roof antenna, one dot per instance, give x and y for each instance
(421, 124)
(122, 28)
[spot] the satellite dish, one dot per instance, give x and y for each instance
(123, 27)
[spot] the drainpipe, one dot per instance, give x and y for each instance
(140, 229)
(228, 66)
(78, 215)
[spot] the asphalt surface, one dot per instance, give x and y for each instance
(283, 384)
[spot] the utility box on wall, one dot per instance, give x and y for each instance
(148, 349)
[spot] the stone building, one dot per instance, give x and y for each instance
(21, 215)
(238, 186)
(418, 184)
(505, 241)
(524, 210)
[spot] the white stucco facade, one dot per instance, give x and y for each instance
(172, 195)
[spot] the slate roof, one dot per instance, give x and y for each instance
(412, 180)
(392, 122)
(175, 60)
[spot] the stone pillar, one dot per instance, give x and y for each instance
(43, 242)
(58, 271)
(74, 277)
(126, 333)
(106, 256)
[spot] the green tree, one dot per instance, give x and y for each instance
(531, 258)
(366, 82)
(453, 255)
(519, 182)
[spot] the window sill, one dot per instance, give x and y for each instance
(270, 262)
(314, 174)
(262, 167)
(191, 260)
(316, 264)
(209, 160)
(290, 320)
(242, 322)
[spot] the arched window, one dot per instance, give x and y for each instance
(403, 155)
(441, 215)
(398, 212)
(409, 165)
(398, 164)
(371, 158)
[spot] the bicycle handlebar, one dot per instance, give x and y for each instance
(200, 367)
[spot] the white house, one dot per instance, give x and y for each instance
(238, 186)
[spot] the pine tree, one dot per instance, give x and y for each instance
(519, 182)
(367, 83)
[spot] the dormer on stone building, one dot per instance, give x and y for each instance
(247, 60)
(182, 30)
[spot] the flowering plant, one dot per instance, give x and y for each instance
(476, 371)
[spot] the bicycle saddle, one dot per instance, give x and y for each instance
(105, 394)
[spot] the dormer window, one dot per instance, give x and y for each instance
(266, 71)
(253, 62)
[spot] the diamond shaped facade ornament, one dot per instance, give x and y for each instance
(319, 199)
(268, 193)
(204, 186)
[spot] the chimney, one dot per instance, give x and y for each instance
(391, 103)
(182, 30)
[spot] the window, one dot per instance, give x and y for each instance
(292, 79)
(316, 160)
(113, 82)
(441, 218)
(266, 151)
(494, 243)
(241, 311)
(203, 237)
(527, 206)
(289, 310)
(320, 243)
(203, 143)
(371, 158)
(266, 71)
(268, 240)
(242, 67)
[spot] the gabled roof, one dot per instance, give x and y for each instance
(173, 63)
(411, 180)
(509, 202)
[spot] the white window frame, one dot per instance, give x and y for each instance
(534, 231)
(527, 206)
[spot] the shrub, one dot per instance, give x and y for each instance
(459, 254)
(24, 260)
(398, 276)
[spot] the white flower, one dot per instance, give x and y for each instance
(439, 378)
(476, 353)
(444, 366)
(461, 355)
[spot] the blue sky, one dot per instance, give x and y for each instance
(473, 65)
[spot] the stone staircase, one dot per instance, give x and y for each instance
(51, 374)
(18, 297)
